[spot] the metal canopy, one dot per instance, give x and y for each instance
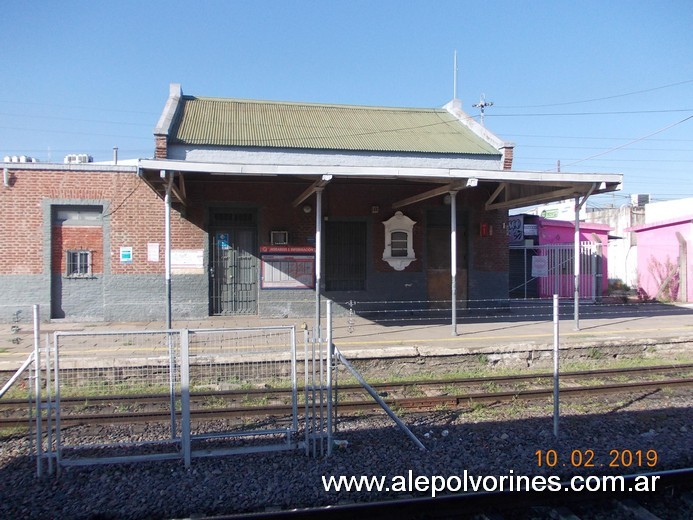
(508, 189)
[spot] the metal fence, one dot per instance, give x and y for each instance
(178, 382)
(226, 368)
(540, 271)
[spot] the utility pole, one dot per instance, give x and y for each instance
(481, 105)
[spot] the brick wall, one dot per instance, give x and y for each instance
(508, 157)
(135, 217)
(490, 252)
(160, 147)
(86, 238)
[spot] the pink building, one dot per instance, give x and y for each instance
(665, 259)
(534, 236)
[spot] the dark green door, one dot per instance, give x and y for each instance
(234, 264)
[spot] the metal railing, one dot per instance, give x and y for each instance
(175, 365)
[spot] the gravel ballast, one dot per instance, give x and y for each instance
(483, 441)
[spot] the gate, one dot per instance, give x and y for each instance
(544, 270)
(240, 366)
(233, 266)
(172, 394)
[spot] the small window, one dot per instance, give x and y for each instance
(78, 264)
(399, 245)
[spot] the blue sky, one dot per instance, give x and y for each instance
(575, 81)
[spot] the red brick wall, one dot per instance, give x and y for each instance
(86, 238)
(354, 200)
(21, 231)
(134, 214)
(160, 147)
(508, 158)
(490, 253)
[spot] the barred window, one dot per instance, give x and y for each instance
(399, 243)
(78, 264)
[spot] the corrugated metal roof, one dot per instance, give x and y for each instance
(248, 123)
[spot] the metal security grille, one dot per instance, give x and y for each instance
(345, 256)
(78, 263)
(234, 264)
(557, 275)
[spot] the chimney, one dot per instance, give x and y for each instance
(507, 150)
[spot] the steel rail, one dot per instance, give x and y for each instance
(409, 403)
(134, 399)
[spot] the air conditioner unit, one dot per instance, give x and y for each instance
(78, 158)
(279, 238)
(639, 199)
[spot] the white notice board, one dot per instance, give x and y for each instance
(288, 271)
(540, 266)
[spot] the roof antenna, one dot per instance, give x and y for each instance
(454, 77)
(481, 105)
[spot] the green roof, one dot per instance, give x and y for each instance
(248, 123)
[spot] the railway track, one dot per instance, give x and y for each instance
(431, 394)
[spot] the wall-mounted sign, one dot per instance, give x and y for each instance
(187, 261)
(301, 250)
(550, 213)
(152, 252)
(531, 230)
(223, 241)
(126, 255)
(288, 271)
(540, 266)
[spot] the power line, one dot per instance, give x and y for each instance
(593, 137)
(632, 142)
(77, 107)
(601, 98)
(60, 118)
(621, 112)
(568, 147)
(68, 132)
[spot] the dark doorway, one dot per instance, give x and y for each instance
(345, 256)
(438, 273)
(233, 264)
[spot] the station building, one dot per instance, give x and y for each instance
(269, 204)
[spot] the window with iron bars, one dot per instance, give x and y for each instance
(78, 264)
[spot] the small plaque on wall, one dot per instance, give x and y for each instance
(126, 255)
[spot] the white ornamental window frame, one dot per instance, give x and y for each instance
(396, 225)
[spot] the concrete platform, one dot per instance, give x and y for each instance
(647, 328)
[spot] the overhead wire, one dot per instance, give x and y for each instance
(605, 98)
